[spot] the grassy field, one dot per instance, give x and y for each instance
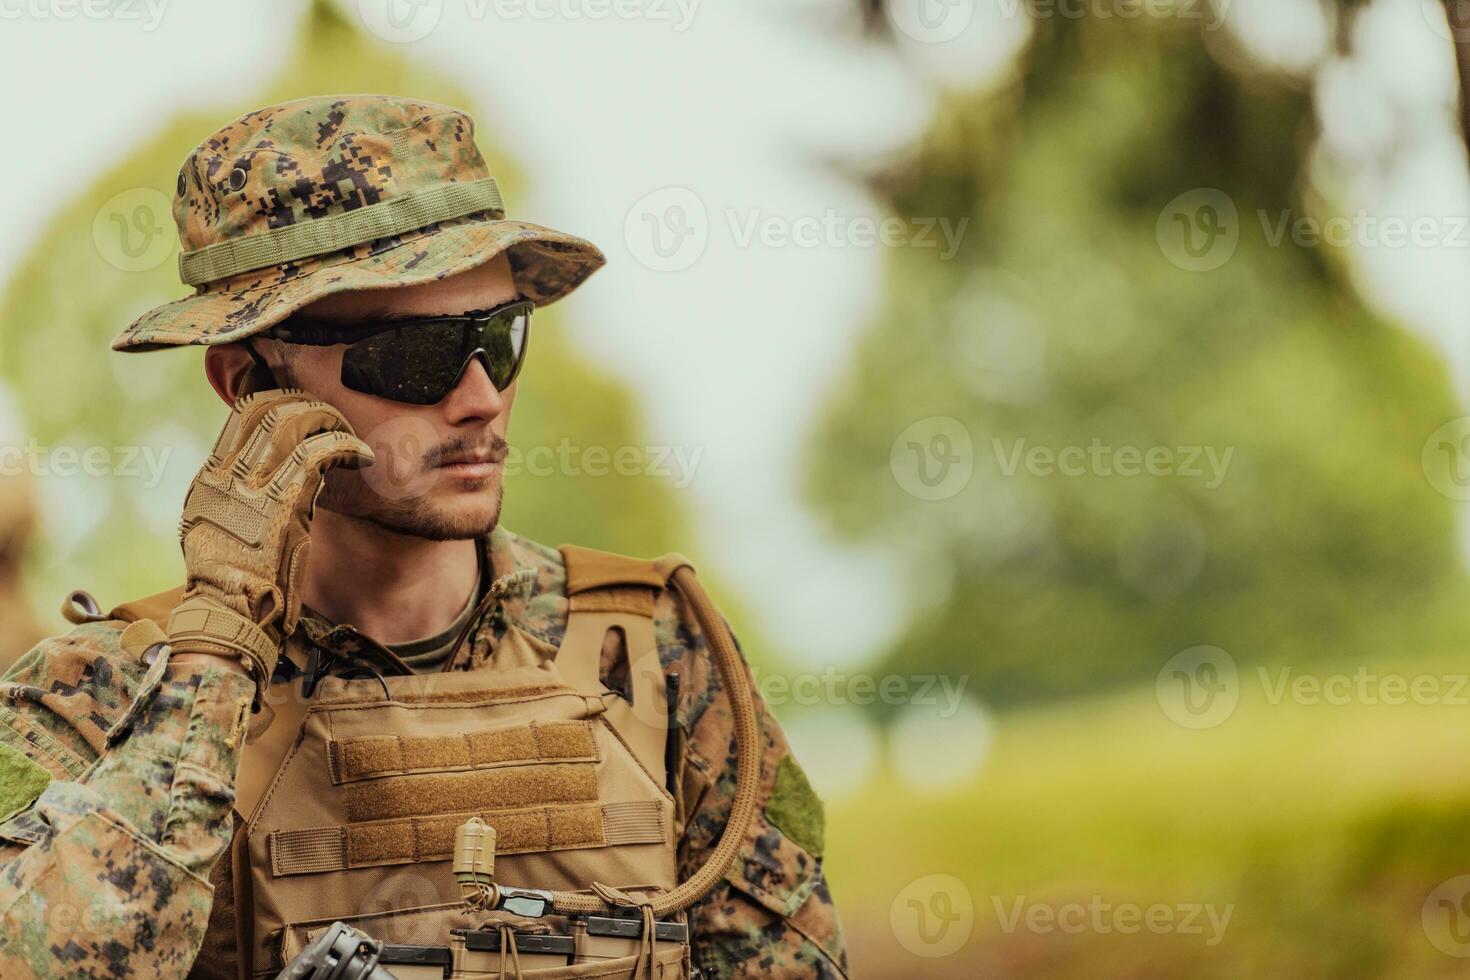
(1318, 829)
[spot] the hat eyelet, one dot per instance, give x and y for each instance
(179, 190)
(237, 178)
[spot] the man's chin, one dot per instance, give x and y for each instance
(424, 517)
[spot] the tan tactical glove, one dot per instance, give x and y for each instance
(245, 529)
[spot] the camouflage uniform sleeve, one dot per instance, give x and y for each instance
(772, 915)
(106, 849)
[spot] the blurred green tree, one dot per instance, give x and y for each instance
(1078, 314)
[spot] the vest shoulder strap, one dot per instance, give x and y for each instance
(610, 593)
(588, 569)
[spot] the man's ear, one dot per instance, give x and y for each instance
(231, 371)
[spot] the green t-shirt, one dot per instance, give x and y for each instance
(428, 654)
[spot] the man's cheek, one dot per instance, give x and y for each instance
(340, 486)
(399, 444)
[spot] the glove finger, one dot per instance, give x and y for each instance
(242, 421)
(332, 449)
(284, 427)
(313, 457)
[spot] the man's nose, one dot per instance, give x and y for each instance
(473, 398)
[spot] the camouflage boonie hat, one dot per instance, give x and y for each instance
(324, 195)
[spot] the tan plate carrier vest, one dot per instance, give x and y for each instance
(350, 800)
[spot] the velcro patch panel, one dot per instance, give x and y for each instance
(508, 788)
(379, 755)
(313, 850)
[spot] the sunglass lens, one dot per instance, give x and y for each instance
(503, 339)
(420, 362)
(417, 363)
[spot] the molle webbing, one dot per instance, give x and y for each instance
(313, 850)
(637, 601)
(378, 755)
(430, 695)
(485, 789)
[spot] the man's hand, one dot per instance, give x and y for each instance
(246, 525)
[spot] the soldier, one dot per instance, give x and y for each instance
(361, 662)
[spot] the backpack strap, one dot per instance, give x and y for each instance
(605, 593)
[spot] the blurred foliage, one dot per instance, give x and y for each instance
(1324, 827)
(1061, 323)
(116, 536)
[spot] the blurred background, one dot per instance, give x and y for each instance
(1066, 399)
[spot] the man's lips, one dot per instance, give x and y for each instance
(480, 462)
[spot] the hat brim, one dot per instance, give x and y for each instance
(545, 264)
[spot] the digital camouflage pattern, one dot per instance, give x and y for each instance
(319, 158)
(146, 837)
(106, 873)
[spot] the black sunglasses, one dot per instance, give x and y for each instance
(419, 360)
